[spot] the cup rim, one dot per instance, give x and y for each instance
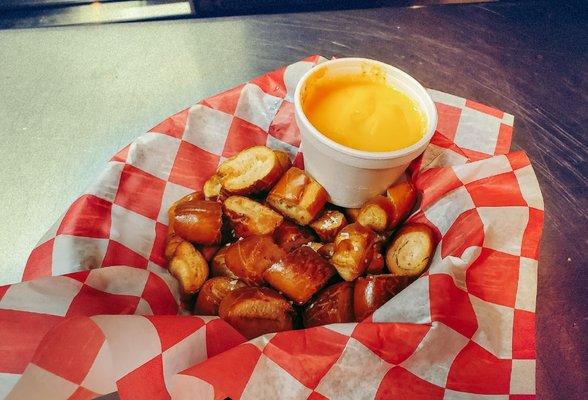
(430, 111)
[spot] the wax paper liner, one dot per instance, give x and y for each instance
(466, 329)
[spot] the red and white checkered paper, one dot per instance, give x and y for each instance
(81, 325)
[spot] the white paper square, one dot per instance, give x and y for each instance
(411, 305)
(504, 227)
(456, 267)
(495, 324)
(527, 288)
(270, 381)
(189, 351)
(154, 153)
(35, 378)
(433, 357)
(133, 341)
(47, 295)
(445, 211)
(118, 280)
(76, 253)
(436, 157)
(100, 378)
(186, 387)
(477, 131)
(336, 384)
(106, 186)
(277, 144)
(529, 187)
(475, 171)
(207, 128)
(522, 378)
(446, 98)
(257, 107)
(132, 230)
(292, 76)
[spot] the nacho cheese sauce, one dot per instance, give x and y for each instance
(362, 111)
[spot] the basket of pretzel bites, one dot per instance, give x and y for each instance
(262, 248)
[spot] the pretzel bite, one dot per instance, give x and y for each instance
(212, 188)
(249, 217)
(256, 311)
(377, 214)
(352, 214)
(329, 224)
(250, 257)
(327, 250)
(300, 274)
(410, 251)
(218, 265)
(403, 197)
(171, 212)
(173, 241)
(283, 159)
(332, 305)
(290, 236)
(199, 221)
(189, 267)
(297, 196)
(373, 291)
(208, 252)
(316, 246)
(253, 170)
(212, 292)
(353, 251)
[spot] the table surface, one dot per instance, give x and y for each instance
(71, 97)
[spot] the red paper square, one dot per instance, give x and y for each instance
(118, 254)
(448, 119)
(242, 135)
(19, 337)
(451, 305)
(497, 190)
(494, 277)
(518, 160)
(174, 125)
(140, 192)
(39, 262)
(284, 127)
(523, 336)
(466, 231)
(158, 250)
(225, 101)
(298, 160)
(220, 337)
(157, 294)
(398, 383)
(69, 351)
(484, 108)
(394, 343)
(272, 83)
(532, 234)
(193, 166)
(316, 396)
(228, 382)
(90, 301)
(145, 382)
(433, 183)
(306, 355)
(173, 329)
(476, 370)
(88, 216)
(504, 139)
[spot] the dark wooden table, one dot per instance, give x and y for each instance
(527, 58)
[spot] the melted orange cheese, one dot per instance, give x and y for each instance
(362, 112)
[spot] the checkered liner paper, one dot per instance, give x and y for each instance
(81, 324)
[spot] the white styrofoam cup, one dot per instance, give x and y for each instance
(351, 176)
